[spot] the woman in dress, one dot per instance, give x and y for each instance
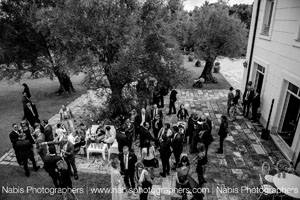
(26, 90)
(182, 114)
(201, 161)
(148, 156)
(182, 172)
(116, 181)
(185, 182)
(144, 180)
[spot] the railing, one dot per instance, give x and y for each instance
(266, 29)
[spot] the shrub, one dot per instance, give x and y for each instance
(198, 63)
(191, 58)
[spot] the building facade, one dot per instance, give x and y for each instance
(273, 65)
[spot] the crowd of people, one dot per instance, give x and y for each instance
(145, 130)
(56, 149)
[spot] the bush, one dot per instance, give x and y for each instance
(191, 58)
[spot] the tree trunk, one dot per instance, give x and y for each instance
(116, 101)
(61, 79)
(65, 83)
(207, 71)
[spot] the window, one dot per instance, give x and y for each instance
(290, 115)
(267, 17)
(259, 78)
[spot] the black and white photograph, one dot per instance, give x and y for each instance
(149, 99)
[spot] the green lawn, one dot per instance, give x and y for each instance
(196, 72)
(43, 95)
(14, 177)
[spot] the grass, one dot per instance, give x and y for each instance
(195, 72)
(14, 177)
(43, 95)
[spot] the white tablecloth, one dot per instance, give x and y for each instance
(290, 185)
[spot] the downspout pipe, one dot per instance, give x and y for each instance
(253, 42)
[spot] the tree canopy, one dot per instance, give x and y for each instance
(217, 34)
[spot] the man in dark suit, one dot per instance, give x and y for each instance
(145, 134)
(25, 151)
(14, 137)
(48, 131)
(127, 164)
(255, 105)
(156, 111)
(173, 99)
(165, 153)
(248, 98)
(177, 144)
(50, 165)
(142, 117)
(31, 113)
(129, 133)
(122, 140)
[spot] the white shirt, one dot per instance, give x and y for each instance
(126, 161)
(143, 119)
(155, 112)
(110, 135)
(71, 138)
(60, 133)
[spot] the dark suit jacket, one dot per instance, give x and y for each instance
(132, 159)
(69, 154)
(177, 144)
(173, 97)
(145, 134)
(165, 150)
(251, 94)
(122, 140)
(256, 101)
(223, 131)
(159, 112)
(50, 163)
(31, 117)
(14, 137)
(48, 133)
(182, 115)
(25, 148)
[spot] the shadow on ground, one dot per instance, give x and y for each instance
(13, 177)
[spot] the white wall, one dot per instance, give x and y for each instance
(279, 53)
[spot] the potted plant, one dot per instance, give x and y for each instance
(191, 57)
(217, 67)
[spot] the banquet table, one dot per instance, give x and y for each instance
(290, 185)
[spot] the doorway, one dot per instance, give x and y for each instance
(259, 78)
(290, 114)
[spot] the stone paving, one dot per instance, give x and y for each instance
(238, 167)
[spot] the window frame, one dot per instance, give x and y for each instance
(263, 35)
